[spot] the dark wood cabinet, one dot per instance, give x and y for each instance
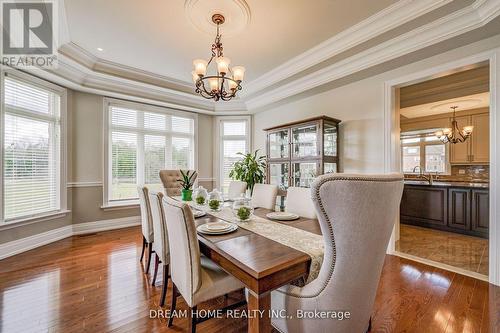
(300, 151)
(458, 208)
(455, 209)
(424, 206)
(480, 212)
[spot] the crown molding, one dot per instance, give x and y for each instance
(391, 17)
(452, 25)
(96, 64)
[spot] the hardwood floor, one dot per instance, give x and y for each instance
(94, 283)
(462, 251)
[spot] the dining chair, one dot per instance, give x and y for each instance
(170, 178)
(146, 224)
(264, 196)
(196, 278)
(160, 243)
(298, 201)
(236, 189)
(356, 214)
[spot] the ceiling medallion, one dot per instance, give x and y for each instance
(225, 82)
(453, 134)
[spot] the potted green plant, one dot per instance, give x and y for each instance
(187, 182)
(250, 169)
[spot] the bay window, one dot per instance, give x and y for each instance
(33, 154)
(141, 141)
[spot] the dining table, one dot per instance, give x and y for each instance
(262, 264)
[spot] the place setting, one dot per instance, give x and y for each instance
(217, 228)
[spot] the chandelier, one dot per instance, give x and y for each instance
(453, 134)
(224, 82)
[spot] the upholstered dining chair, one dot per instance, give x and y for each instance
(160, 243)
(264, 196)
(147, 225)
(169, 179)
(356, 214)
(196, 278)
(298, 201)
(236, 189)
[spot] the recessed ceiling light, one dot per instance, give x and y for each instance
(100, 49)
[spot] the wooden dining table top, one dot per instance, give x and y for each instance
(259, 257)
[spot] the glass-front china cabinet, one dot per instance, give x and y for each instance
(298, 152)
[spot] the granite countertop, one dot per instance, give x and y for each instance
(438, 183)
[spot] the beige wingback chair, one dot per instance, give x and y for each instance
(146, 223)
(298, 201)
(169, 179)
(356, 214)
(196, 278)
(160, 244)
(264, 196)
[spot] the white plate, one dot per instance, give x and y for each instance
(203, 230)
(218, 226)
(199, 213)
(282, 216)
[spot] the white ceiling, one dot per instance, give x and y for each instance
(157, 35)
(464, 103)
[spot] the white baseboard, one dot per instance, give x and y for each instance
(28, 243)
(103, 225)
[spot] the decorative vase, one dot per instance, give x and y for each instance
(242, 209)
(215, 200)
(201, 196)
(187, 195)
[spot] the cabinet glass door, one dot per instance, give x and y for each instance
(278, 144)
(278, 175)
(303, 173)
(305, 140)
(330, 140)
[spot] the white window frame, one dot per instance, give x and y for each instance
(422, 144)
(63, 195)
(109, 102)
(218, 156)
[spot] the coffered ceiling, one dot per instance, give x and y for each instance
(143, 50)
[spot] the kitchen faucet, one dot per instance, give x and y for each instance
(423, 175)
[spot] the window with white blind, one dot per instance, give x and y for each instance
(142, 140)
(234, 138)
(32, 158)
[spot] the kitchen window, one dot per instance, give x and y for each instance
(141, 141)
(33, 153)
(423, 151)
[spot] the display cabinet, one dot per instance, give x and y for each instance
(300, 151)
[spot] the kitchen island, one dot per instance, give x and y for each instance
(459, 207)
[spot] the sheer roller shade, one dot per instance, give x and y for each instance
(32, 150)
(234, 140)
(141, 144)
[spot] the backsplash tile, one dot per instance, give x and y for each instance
(465, 173)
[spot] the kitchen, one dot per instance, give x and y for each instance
(444, 212)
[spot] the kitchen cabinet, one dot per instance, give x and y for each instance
(300, 151)
(474, 150)
(480, 212)
(458, 209)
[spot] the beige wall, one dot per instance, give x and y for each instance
(360, 106)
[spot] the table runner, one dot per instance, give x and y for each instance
(298, 239)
